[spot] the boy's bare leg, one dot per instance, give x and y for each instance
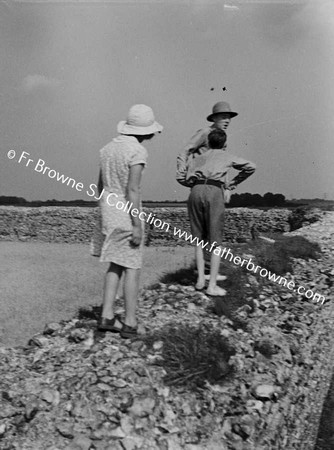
(213, 289)
(131, 288)
(199, 256)
(111, 283)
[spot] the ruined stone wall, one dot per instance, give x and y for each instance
(75, 224)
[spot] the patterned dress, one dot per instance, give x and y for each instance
(115, 223)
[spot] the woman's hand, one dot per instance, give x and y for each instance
(137, 235)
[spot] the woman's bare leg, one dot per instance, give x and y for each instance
(111, 282)
(131, 289)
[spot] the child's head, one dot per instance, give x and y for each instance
(217, 138)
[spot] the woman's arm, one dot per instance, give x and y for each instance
(133, 196)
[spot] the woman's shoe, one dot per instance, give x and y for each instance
(109, 324)
(200, 286)
(128, 332)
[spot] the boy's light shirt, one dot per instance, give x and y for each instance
(214, 164)
(197, 145)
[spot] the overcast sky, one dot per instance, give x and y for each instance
(70, 72)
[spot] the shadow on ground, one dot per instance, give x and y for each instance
(325, 439)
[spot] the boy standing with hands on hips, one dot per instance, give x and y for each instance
(220, 117)
(203, 166)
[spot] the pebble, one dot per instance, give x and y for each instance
(264, 391)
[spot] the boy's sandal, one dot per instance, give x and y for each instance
(109, 324)
(128, 332)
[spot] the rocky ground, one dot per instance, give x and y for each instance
(192, 380)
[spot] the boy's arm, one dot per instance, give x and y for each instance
(182, 160)
(246, 169)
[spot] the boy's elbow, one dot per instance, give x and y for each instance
(181, 181)
(251, 168)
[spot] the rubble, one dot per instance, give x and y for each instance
(72, 387)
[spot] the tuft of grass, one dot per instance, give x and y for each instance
(274, 258)
(91, 313)
(303, 215)
(184, 276)
(299, 247)
(193, 354)
(277, 257)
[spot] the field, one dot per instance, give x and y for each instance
(42, 283)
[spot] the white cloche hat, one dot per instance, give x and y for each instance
(140, 121)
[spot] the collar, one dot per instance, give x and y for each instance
(125, 137)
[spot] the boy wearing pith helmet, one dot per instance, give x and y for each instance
(220, 119)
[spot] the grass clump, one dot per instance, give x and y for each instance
(299, 247)
(193, 354)
(303, 216)
(274, 258)
(184, 276)
(277, 257)
(89, 313)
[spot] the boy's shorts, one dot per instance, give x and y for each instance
(206, 211)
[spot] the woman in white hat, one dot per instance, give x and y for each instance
(121, 165)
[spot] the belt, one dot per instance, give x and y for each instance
(209, 182)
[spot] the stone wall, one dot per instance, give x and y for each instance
(75, 224)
